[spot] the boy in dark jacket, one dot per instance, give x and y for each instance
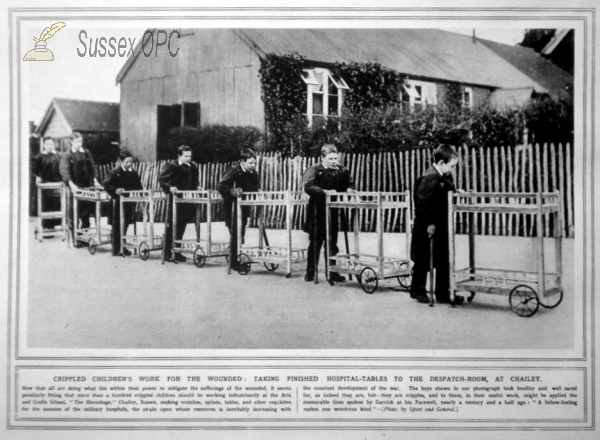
(235, 181)
(325, 175)
(45, 169)
(431, 221)
(78, 170)
(122, 178)
(179, 175)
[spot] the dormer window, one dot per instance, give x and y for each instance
(324, 91)
(416, 95)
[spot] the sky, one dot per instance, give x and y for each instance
(94, 78)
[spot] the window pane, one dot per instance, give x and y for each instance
(320, 79)
(317, 104)
(333, 105)
(419, 90)
(191, 114)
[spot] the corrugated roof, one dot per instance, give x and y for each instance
(510, 98)
(553, 78)
(428, 53)
(81, 115)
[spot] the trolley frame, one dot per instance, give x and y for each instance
(270, 256)
(368, 269)
(201, 249)
(96, 236)
(525, 287)
(40, 231)
(147, 241)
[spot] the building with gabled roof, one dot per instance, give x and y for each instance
(214, 79)
(97, 121)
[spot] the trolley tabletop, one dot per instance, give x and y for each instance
(269, 255)
(201, 247)
(147, 241)
(527, 290)
(50, 188)
(92, 236)
(369, 269)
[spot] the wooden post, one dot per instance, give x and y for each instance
(451, 247)
(540, 248)
(288, 227)
(569, 180)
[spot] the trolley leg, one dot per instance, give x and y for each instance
(314, 245)
(345, 226)
(167, 235)
(431, 274)
(232, 238)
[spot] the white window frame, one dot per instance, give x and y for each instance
(428, 95)
(467, 91)
(312, 88)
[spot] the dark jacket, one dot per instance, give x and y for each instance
(46, 167)
(182, 177)
(236, 177)
(119, 178)
(430, 196)
(317, 179)
(78, 167)
(129, 181)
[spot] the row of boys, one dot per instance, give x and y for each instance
(76, 169)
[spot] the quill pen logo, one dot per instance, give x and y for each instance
(40, 52)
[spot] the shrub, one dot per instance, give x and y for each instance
(212, 143)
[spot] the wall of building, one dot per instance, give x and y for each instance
(480, 95)
(57, 127)
(213, 67)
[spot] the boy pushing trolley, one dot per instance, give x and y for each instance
(429, 247)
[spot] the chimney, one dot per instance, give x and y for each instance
(474, 37)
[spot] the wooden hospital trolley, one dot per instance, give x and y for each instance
(200, 248)
(98, 235)
(40, 231)
(369, 269)
(526, 291)
(271, 256)
(147, 241)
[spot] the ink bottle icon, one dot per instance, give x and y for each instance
(40, 52)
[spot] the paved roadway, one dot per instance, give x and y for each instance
(76, 300)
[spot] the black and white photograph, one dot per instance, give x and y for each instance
(339, 220)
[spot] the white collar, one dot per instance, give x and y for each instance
(438, 170)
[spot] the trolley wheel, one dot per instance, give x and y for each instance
(243, 264)
(368, 280)
(524, 301)
(554, 304)
(92, 246)
(405, 280)
(199, 257)
(144, 251)
(271, 267)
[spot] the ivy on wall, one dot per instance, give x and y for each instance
(285, 97)
(371, 120)
(371, 85)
